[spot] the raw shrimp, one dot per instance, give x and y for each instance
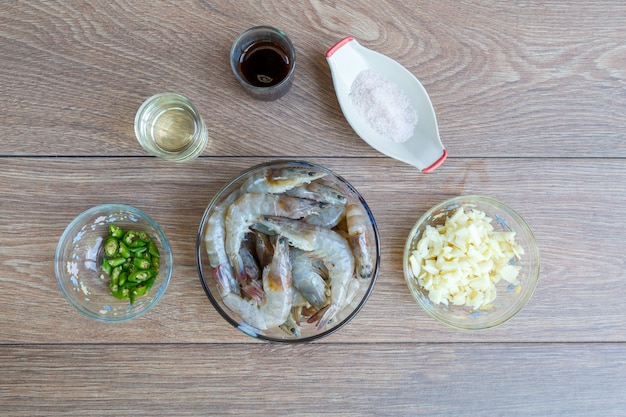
(263, 248)
(274, 310)
(328, 246)
(290, 326)
(279, 180)
(332, 213)
(249, 266)
(214, 237)
(300, 311)
(249, 273)
(275, 180)
(250, 207)
(307, 280)
(254, 290)
(357, 220)
(318, 192)
(328, 216)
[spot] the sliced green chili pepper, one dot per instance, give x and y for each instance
(121, 293)
(123, 250)
(139, 249)
(111, 246)
(106, 267)
(138, 243)
(131, 261)
(115, 231)
(128, 264)
(114, 284)
(122, 278)
(115, 273)
(139, 290)
(150, 282)
(129, 238)
(142, 263)
(140, 275)
(116, 261)
(129, 284)
(153, 249)
(132, 277)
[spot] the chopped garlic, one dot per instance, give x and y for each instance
(461, 261)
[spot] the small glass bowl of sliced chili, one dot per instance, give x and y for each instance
(86, 256)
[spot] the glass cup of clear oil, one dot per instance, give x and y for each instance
(169, 126)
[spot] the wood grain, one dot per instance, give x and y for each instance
(529, 97)
(531, 79)
(566, 202)
(350, 380)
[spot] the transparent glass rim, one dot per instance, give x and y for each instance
(71, 229)
(200, 138)
(532, 255)
(234, 57)
(242, 325)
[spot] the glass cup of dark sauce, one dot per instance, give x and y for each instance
(263, 60)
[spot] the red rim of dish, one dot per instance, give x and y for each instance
(437, 162)
(338, 45)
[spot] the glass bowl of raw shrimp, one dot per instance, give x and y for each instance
(288, 251)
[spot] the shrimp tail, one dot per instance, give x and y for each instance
(365, 266)
(291, 327)
(334, 308)
(254, 290)
(317, 317)
(328, 315)
(227, 283)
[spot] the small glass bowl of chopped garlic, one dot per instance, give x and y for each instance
(471, 262)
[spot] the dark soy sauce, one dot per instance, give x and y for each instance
(264, 64)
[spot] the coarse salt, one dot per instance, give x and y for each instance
(384, 106)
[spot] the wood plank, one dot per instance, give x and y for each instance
(349, 380)
(575, 212)
(529, 97)
(543, 80)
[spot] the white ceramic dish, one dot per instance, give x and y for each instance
(424, 150)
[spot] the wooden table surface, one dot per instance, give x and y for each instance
(530, 98)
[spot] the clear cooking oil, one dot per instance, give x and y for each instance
(173, 130)
(168, 125)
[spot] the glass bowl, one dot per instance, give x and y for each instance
(510, 297)
(79, 256)
(232, 293)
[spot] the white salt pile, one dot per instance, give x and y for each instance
(384, 106)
